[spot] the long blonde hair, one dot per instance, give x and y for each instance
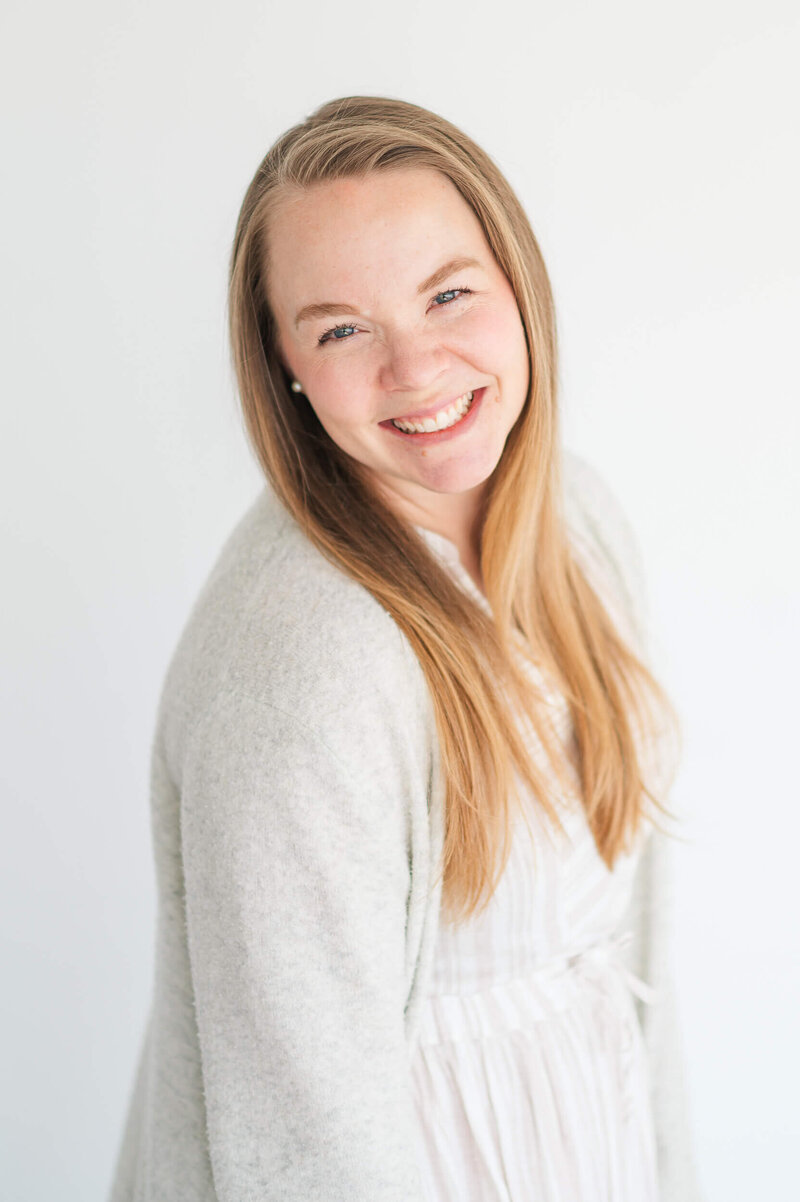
(539, 597)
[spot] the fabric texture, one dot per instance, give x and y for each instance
(529, 1071)
(297, 818)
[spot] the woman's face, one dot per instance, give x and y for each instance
(390, 305)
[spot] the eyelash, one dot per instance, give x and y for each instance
(328, 335)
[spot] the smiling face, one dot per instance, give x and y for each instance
(389, 304)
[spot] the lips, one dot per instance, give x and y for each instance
(428, 438)
(431, 411)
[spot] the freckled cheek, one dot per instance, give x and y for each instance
(494, 342)
(340, 398)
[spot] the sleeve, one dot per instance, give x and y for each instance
(607, 546)
(649, 918)
(296, 876)
(610, 551)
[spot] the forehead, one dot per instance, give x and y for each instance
(399, 223)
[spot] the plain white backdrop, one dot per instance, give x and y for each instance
(655, 149)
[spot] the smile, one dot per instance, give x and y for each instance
(443, 424)
(442, 420)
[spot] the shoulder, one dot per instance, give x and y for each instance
(278, 626)
(604, 541)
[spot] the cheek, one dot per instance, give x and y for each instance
(495, 340)
(336, 396)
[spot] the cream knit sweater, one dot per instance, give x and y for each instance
(297, 820)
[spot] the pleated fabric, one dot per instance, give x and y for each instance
(529, 1071)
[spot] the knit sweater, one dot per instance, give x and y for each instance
(297, 806)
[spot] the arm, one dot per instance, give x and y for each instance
(296, 874)
(611, 555)
(649, 917)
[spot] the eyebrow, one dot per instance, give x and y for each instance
(334, 308)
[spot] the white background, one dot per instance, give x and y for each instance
(655, 148)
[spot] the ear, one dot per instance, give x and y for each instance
(287, 371)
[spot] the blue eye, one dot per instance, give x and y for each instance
(342, 333)
(336, 333)
(451, 294)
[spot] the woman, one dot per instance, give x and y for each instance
(411, 935)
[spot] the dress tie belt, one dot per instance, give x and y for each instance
(614, 988)
(610, 953)
(541, 994)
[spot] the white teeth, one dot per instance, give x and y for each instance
(441, 420)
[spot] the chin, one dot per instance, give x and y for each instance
(458, 477)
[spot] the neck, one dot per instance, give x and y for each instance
(456, 516)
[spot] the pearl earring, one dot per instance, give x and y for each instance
(297, 386)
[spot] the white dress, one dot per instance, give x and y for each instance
(529, 1073)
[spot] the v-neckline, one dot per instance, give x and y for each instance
(447, 551)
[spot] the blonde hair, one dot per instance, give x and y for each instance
(540, 599)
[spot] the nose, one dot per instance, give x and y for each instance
(413, 361)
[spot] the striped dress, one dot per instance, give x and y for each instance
(529, 1072)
